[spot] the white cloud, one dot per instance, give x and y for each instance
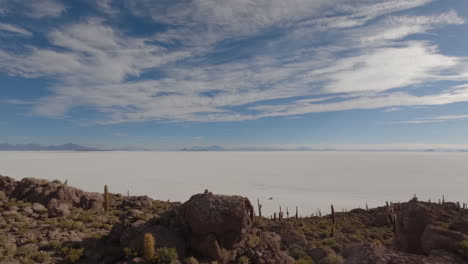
(98, 66)
(14, 29)
(33, 9)
(45, 8)
(435, 119)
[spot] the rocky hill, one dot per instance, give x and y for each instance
(51, 222)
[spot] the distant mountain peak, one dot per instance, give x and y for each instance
(37, 147)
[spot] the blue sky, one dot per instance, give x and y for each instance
(168, 74)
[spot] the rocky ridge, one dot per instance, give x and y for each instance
(51, 222)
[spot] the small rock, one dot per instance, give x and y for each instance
(37, 207)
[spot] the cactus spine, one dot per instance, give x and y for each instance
(149, 245)
(333, 227)
(106, 199)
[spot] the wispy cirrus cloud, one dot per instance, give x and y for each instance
(33, 9)
(243, 60)
(14, 29)
(435, 119)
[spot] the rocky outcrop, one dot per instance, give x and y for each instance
(57, 197)
(437, 238)
(417, 234)
(7, 185)
(216, 223)
(289, 234)
(411, 223)
(210, 227)
(460, 224)
(375, 254)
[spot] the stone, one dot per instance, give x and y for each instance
(227, 217)
(57, 197)
(28, 210)
(38, 208)
(460, 224)
(437, 238)
(411, 223)
(375, 254)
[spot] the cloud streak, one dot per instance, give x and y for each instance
(231, 61)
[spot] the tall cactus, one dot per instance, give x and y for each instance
(333, 227)
(106, 199)
(395, 223)
(297, 212)
(259, 208)
(148, 247)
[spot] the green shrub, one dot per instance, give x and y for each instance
(165, 256)
(253, 241)
(40, 257)
(25, 251)
(305, 260)
(71, 225)
(53, 244)
(296, 251)
(72, 254)
(244, 260)
(463, 249)
(191, 260)
(130, 253)
(331, 259)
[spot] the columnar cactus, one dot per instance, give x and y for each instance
(395, 223)
(259, 208)
(106, 199)
(333, 227)
(148, 247)
(297, 212)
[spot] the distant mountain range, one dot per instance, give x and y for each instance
(76, 147)
(219, 148)
(37, 147)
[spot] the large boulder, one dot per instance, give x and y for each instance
(437, 238)
(411, 223)
(217, 221)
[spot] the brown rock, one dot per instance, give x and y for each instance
(436, 238)
(217, 221)
(460, 224)
(289, 234)
(57, 197)
(7, 184)
(374, 254)
(411, 223)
